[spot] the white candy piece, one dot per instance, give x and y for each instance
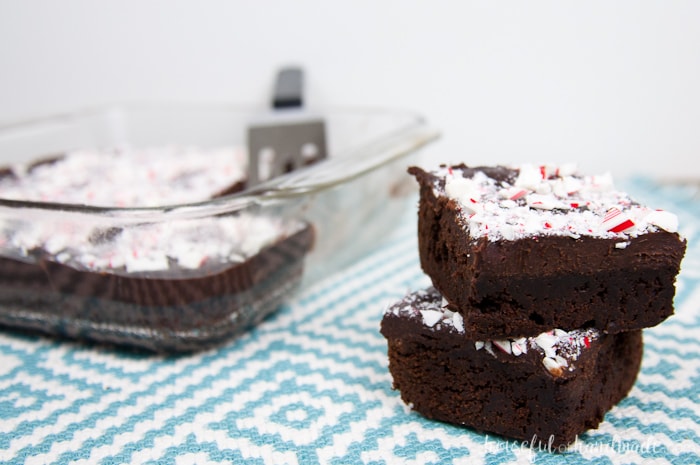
(542, 202)
(546, 341)
(522, 343)
(566, 186)
(458, 322)
(431, 317)
(567, 169)
(512, 193)
(602, 183)
(191, 259)
(516, 349)
(465, 191)
(552, 366)
(503, 345)
(154, 262)
(664, 220)
(529, 177)
(544, 188)
(560, 333)
(508, 232)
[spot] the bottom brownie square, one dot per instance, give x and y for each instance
(547, 389)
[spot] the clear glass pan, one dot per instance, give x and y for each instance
(80, 272)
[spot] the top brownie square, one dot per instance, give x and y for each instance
(520, 250)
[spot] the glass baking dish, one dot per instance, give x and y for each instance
(187, 276)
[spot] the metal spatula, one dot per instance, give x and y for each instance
(289, 139)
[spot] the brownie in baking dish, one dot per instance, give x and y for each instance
(169, 310)
(545, 389)
(170, 285)
(518, 251)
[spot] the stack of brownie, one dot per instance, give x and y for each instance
(543, 280)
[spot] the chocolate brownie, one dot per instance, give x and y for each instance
(518, 251)
(547, 389)
(155, 311)
(178, 283)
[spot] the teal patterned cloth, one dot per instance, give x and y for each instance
(311, 385)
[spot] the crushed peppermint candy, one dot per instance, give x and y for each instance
(193, 247)
(135, 178)
(557, 348)
(128, 177)
(430, 308)
(546, 200)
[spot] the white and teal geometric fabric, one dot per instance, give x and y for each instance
(310, 385)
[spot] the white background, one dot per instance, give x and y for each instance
(612, 85)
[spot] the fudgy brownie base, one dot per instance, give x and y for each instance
(546, 390)
(162, 315)
(525, 285)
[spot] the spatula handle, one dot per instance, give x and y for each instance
(288, 88)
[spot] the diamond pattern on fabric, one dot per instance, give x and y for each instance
(311, 385)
